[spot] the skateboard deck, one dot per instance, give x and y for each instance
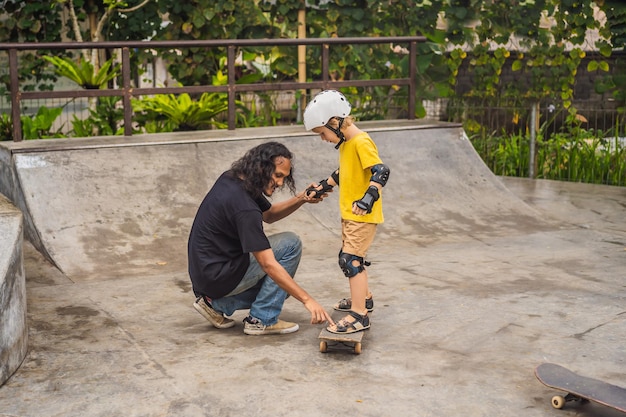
(579, 387)
(338, 341)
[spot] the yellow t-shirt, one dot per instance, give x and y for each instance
(356, 157)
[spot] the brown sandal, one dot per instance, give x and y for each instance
(344, 326)
(345, 304)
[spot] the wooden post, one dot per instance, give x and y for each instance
(15, 96)
(534, 128)
(301, 58)
(232, 93)
(128, 92)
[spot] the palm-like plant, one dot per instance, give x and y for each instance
(181, 114)
(83, 72)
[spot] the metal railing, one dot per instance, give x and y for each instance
(126, 91)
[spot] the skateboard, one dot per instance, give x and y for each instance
(338, 341)
(580, 388)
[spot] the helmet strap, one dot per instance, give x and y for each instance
(337, 132)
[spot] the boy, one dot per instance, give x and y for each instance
(362, 176)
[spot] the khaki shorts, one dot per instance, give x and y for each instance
(357, 237)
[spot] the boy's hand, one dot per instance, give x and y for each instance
(365, 204)
(317, 192)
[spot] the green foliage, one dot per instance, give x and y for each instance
(511, 156)
(571, 154)
(542, 55)
(105, 120)
(485, 27)
(40, 125)
(459, 14)
(552, 73)
(490, 32)
(83, 73)
(207, 19)
(615, 28)
(249, 115)
(124, 21)
(30, 21)
(6, 127)
(582, 156)
(142, 23)
(168, 113)
(615, 85)
(487, 68)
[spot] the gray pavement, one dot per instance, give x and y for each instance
(477, 279)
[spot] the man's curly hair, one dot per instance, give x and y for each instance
(257, 166)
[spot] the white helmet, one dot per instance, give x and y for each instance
(325, 106)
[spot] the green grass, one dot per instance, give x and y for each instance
(574, 154)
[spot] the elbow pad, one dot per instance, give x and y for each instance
(380, 174)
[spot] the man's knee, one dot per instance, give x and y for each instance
(351, 265)
(287, 248)
(288, 240)
(294, 242)
(294, 238)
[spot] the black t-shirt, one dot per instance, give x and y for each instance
(228, 226)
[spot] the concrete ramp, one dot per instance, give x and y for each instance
(110, 207)
(13, 320)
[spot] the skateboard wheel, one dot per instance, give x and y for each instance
(357, 348)
(558, 401)
(323, 346)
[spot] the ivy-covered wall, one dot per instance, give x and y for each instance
(585, 84)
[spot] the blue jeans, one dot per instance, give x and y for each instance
(257, 291)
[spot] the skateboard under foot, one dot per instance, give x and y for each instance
(335, 341)
(340, 341)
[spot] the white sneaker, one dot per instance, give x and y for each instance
(215, 318)
(254, 327)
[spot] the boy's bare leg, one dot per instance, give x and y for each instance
(358, 292)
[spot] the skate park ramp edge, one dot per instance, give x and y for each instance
(102, 208)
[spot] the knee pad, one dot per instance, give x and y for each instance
(345, 262)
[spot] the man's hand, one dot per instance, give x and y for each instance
(318, 314)
(316, 193)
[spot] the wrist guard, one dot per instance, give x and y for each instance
(367, 201)
(326, 187)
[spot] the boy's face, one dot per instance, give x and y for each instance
(282, 169)
(326, 134)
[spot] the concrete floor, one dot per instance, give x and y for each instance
(464, 313)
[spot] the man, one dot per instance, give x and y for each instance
(233, 265)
